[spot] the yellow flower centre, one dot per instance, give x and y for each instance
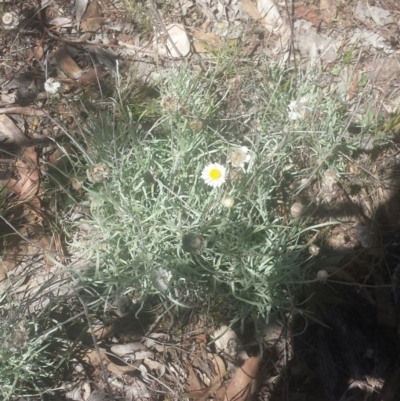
(215, 174)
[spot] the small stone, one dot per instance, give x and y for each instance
(179, 37)
(296, 210)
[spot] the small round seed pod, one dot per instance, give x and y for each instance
(98, 172)
(322, 275)
(25, 96)
(314, 249)
(228, 202)
(296, 210)
(194, 244)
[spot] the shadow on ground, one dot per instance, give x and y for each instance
(346, 346)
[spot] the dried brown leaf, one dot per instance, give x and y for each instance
(89, 76)
(307, 13)
(18, 250)
(10, 132)
(29, 176)
(227, 342)
(205, 41)
(195, 388)
(121, 370)
(101, 331)
(158, 367)
(67, 63)
(352, 91)
(241, 384)
(14, 185)
(134, 350)
(193, 384)
(92, 357)
(22, 110)
(59, 157)
(328, 10)
(98, 395)
(272, 19)
(251, 9)
(80, 8)
(39, 52)
(48, 247)
(91, 19)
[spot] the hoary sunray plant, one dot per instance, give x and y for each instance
(189, 206)
(27, 357)
(183, 198)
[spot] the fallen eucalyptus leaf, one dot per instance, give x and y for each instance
(91, 18)
(251, 9)
(227, 342)
(134, 351)
(80, 8)
(272, 19)
(241, 385)
(10, 132)
(155, 366)
(67, 63)
(154, 340)
(328, 10)
(137, 391)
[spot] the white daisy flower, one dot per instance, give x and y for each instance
(239, 157)
(52, 86)
(214, 175)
